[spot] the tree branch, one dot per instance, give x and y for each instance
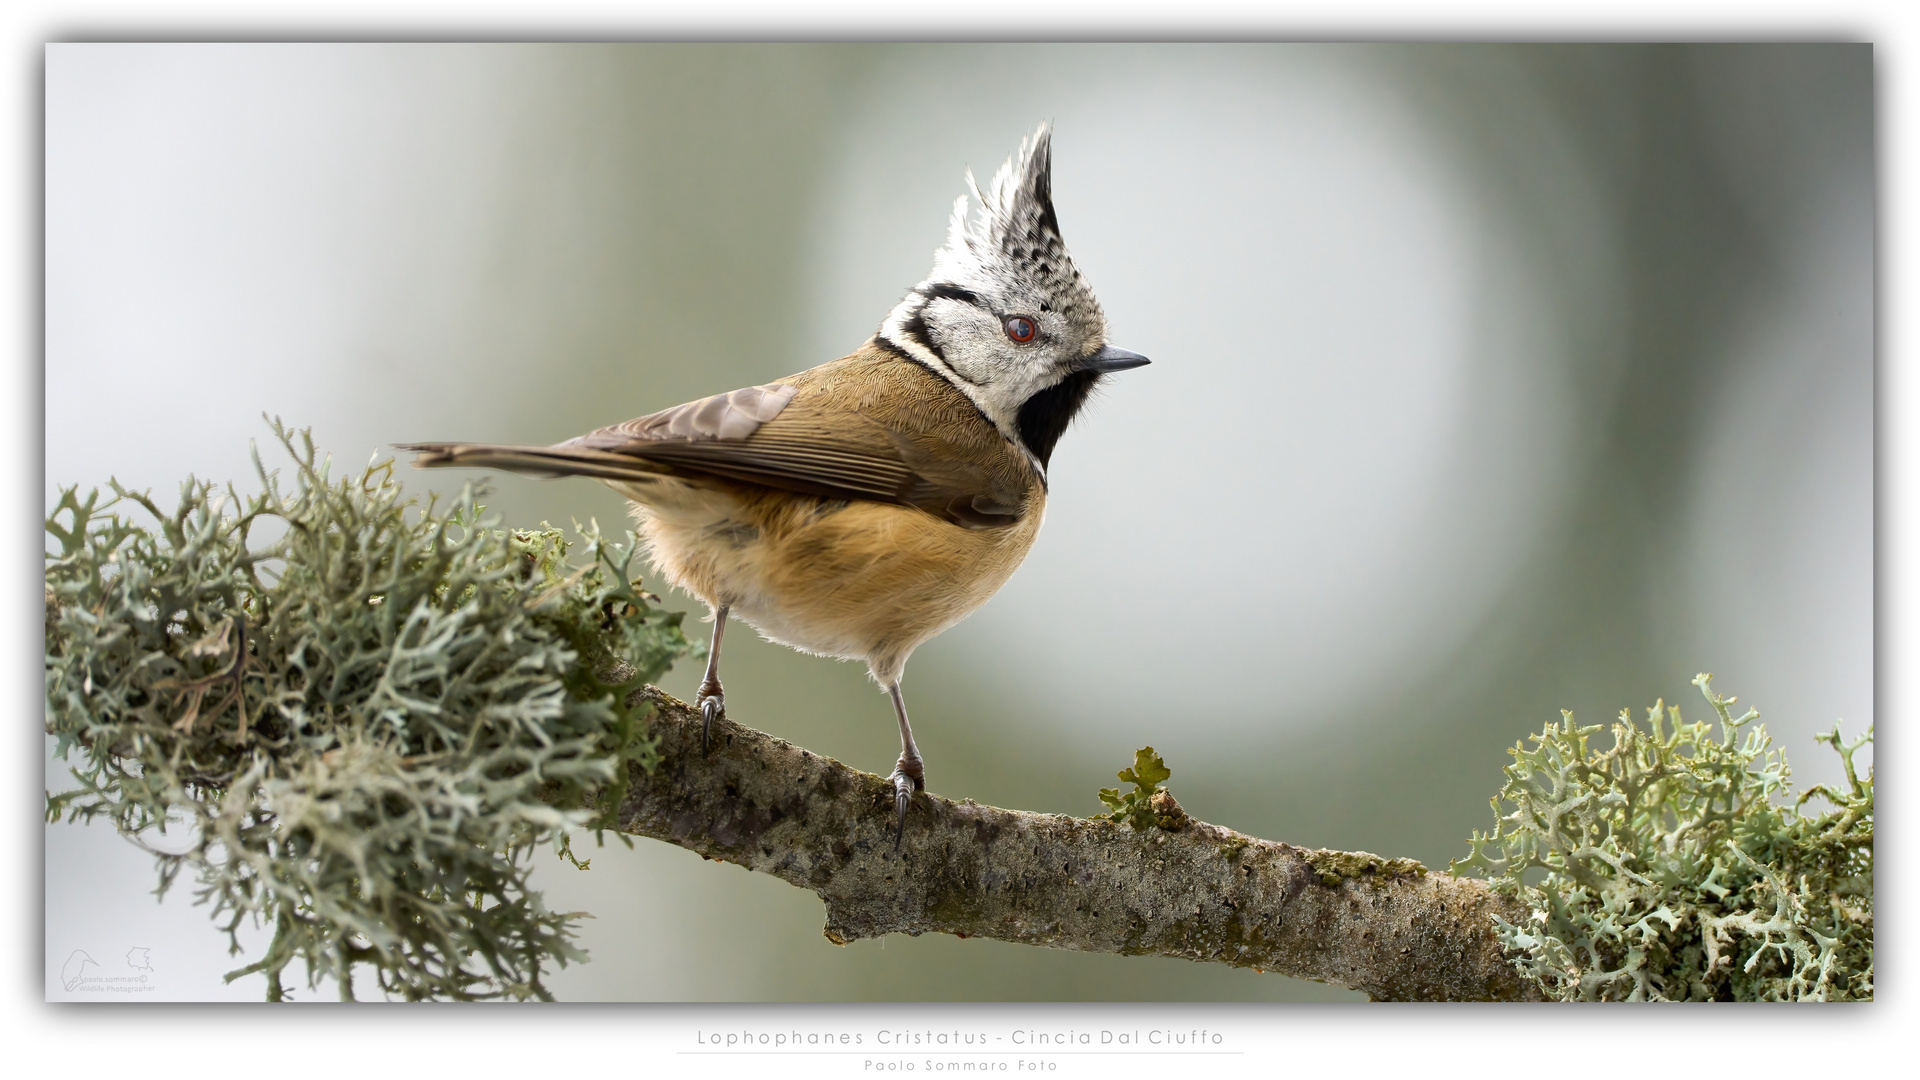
(1182, 888)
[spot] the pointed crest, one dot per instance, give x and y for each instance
(1013, 228)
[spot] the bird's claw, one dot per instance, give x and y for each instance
(712, 705)
(908, 777)
(902, 795)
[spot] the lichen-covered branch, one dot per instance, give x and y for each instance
(363, 725)
(368, 720)
(1180, 887)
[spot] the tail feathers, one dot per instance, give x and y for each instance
(542, 461)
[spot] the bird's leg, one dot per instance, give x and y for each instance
(909, 775)
(711, 700)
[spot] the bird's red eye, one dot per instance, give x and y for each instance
(1020, 328)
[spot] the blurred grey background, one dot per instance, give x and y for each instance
(1488, 381)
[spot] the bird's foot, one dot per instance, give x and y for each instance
(908, 777)
(713, 704)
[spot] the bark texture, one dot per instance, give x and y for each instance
(1182, 888)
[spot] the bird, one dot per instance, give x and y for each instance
(858, 509)
(75, 969)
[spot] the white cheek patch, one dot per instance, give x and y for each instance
(984, 375)
(894, 332)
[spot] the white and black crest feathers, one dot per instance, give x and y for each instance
(1012, 232)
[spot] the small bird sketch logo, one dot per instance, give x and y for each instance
(138, 960)
(75, 968)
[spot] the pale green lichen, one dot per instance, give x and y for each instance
(1673, 866)
(363, 726)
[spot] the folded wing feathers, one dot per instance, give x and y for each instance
(727, 417)
(711, 436)
(725, 436)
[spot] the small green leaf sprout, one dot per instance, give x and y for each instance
(1135, 808)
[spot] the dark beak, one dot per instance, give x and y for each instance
(1112, 359)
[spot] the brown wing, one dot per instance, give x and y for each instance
(741, 436)
(870, 426)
